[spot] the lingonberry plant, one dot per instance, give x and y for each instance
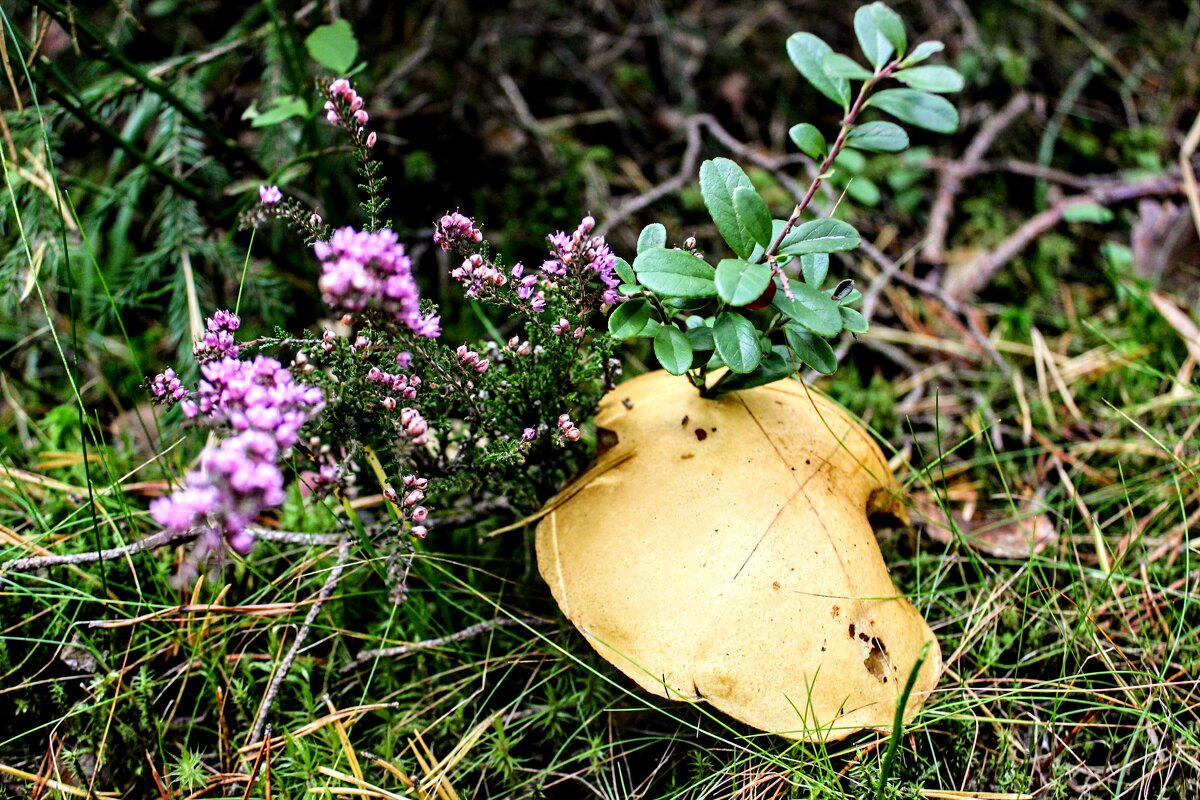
(745, 313)
(435, 420)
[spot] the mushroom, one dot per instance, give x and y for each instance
(721, 551)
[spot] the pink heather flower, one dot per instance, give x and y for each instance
(371, 139)
(237, 481)
(455, 233)
(414, 425)
(339, 87)
(269, 195)
(360, 117)
(218, 341)
(419, 514)
(585, 256)
(561, 327)
(361, 270)
(528, 435)
(419, 531)
(257, 395)
(568, 428)
(167, 388)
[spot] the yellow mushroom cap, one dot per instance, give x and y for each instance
(721, 551)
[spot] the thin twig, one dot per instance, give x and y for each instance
(968, 278)
(152, 542)
(466, 633)
(157, 540)
(264, 709)
(953, 173)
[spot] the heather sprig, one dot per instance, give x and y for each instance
(441, 423)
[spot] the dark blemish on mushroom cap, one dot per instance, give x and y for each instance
(864, 637)
(686, 456)
(685, 420)
(851, 630)
(775, 585)
(877, 661)
(627, 403)
(835, 611)
(701, 434)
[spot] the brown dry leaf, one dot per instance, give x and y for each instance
(996, 533)
(730, 559)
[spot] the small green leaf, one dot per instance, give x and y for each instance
(917, 108)
(736, 341)
(934, 78)
(839, 66)
(333, 46)
(776, 365)
(701, 338)
(878, 137)
(753, 213)
(853, 321)
(923, 51)
(625, 272)
(651, 330)
(853, 297)
(808, 55)
(652, 236)
(813, 309)
(811, 349)
(815, 267)
(809, 140)
(864, 191)
(280, 109)
(1088, 212)
(628, 289)
(821, 236)
(629, 319)
(880, 33)
(673, 350)
(719, 178)
(675, 273)
(739, 283)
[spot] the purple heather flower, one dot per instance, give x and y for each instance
(528, 435)
(361, 270)
(237, 481)
(456, 233)
(167, 388)
(218, 341)
(269, 195)
(257, 395)
(586, 256)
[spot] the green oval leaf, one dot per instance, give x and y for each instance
(918, 108)
(753, 213)
(839, 66)
(811, 349)
(736, 341)
(808, 55)
(809, 140)
(652, 236)
(811, 308)
(281, 108)
(923, 51)
(739, 283)
(701, 338)
(878, 137)
(625, 272)
(815, 267)
(675, 273)
(934, 78)
(853, 321)
(880, 33)
(628, 319)
(333, 46)
(719, 178)
(864, 191)
(672, 349)
(821, 236)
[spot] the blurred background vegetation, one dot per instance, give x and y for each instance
(1061, 389)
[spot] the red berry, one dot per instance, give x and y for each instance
(764, 299)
